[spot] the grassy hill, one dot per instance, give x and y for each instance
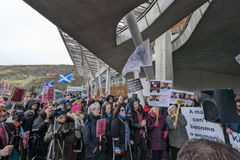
(31, 76)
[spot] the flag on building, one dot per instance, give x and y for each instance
(48, 84)
(66, 78)
(141, 57)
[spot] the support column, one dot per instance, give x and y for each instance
(163, 57)
(108, 82)
(137, 39)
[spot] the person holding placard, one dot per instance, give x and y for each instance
(120, 133)
(156, 126)
(93, 151)
(176, 123)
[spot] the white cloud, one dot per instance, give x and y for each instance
(26, 37)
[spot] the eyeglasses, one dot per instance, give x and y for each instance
(122, 110)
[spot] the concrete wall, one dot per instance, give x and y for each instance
(196, 80)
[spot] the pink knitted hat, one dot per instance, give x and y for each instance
(75, 108)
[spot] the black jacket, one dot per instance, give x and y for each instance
(90, 140)
(118, 133)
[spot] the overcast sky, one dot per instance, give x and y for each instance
(27, 37)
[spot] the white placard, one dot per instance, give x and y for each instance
(235, 140)
(197, 127)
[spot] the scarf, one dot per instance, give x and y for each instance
(127, 131)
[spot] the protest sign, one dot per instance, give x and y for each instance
(48, 94)
(238, 58)
(160, 93)
(101, 127)
(25, 138)
(186, 97)
(235, 140)
(197, 127)
(134, 85)
(17, 95)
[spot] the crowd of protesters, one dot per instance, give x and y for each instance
(67, 130)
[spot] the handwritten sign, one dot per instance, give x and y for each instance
(101, 127)
(17, 95)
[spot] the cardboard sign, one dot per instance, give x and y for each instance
(197, 127)
(134, 85)
(101, 127)
(17, 95)
(235, 140)
(48, 94)
(160, 93)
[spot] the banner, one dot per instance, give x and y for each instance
(141, 57)
(17, 95)
(186, 97)
(48, 94)
(160, 93)
(134, 85)
(101, 127)
(235, 140)
(197, 127)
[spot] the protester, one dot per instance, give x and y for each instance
(6, 135)
(38, 148)
(61, 131)
(177, 131)
(157, 133)
(120, 133)
(107, 113)
(234, 127)
(79, 123)
(138, 130)
(203, 149)
(91, 141)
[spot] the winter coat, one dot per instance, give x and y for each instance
(178, 136)
(155, 134)
(10, 130)
(136, 127)
(90, 139)
(118, 133)
(65, 140)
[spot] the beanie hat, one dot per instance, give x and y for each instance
(75, 108)
(169, 108)
(60, 111)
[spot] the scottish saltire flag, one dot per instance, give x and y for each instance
(48, 84)
(66, 78)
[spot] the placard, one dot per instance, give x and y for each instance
(134, 85)
(197, 127)
(101, 127)
(186, 97)
(160, 93)
(17, 95)
(48, 94)
(235, 140)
